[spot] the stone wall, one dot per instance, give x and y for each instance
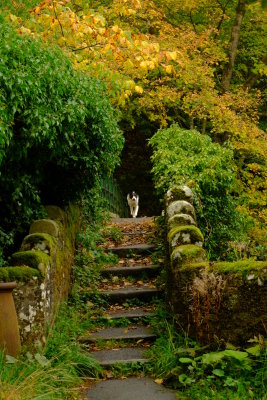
(224, 301)
(42, 270)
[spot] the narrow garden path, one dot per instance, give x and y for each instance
(132, 288)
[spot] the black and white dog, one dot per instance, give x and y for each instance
(133, 201)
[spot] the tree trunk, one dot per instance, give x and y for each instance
(228, 69)
(204, 125)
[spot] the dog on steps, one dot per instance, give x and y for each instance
(133, 202)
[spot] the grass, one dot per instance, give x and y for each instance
(196, 372)
(202, 373)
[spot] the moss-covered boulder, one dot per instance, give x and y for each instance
(33, 259)
(188, 234)
(18, 273)
(39, 241)
(187, 254)
(45, 226)
(179, 193)
(180, 220)
(180, 207)
(56, 213)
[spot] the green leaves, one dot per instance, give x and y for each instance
(188, 157)
(58, 131)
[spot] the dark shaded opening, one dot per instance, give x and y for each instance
(134, 172)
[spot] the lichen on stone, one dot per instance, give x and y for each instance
(180, 220)
(188, 234)
(39, 241)
(179, 193)
(33, 259)
(180, 207)
(187, 254)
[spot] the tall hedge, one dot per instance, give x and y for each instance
(58, 131)
(187, 157)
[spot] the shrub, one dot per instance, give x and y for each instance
(58, 131)
(188, 157)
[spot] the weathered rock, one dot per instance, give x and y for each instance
(186, 254)
(39, 241)
(42, 271)
(179, 193)
(45, 226)
(181, 235)
(180, 220)
(33, 259)
(225, 300)
(180, 207)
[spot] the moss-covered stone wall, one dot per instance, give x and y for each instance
(42, 270)
(223, 301)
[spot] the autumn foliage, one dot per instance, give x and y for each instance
(167, 61)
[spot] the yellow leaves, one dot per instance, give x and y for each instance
(171, 55)
(13, 18)
(159, 381)
(169, 69)
(129, 64)
(138, 89)
(149, 64)
(137, 4)
(37, 10)
(24, 30)
(156, 47)
(116, 29)
(89, 30)
(143, 64)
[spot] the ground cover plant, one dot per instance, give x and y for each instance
(201, 372)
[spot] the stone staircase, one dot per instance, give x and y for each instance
(142, 293)
(133, 336)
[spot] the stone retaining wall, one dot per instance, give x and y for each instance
(223, 301)
(42, 270)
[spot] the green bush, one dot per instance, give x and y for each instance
(58, 131)
(188, 157)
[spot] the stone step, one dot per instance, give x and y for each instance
(149, 270)
(129, 333)
(130, 292)
(129, 314)
(132, 220)
(128, 233)
(126, 355)
(124, 251)
(129, 389)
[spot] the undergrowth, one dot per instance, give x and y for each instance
(201, 372)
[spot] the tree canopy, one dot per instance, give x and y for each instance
(200, 64)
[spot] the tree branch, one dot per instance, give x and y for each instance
(61, 27)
